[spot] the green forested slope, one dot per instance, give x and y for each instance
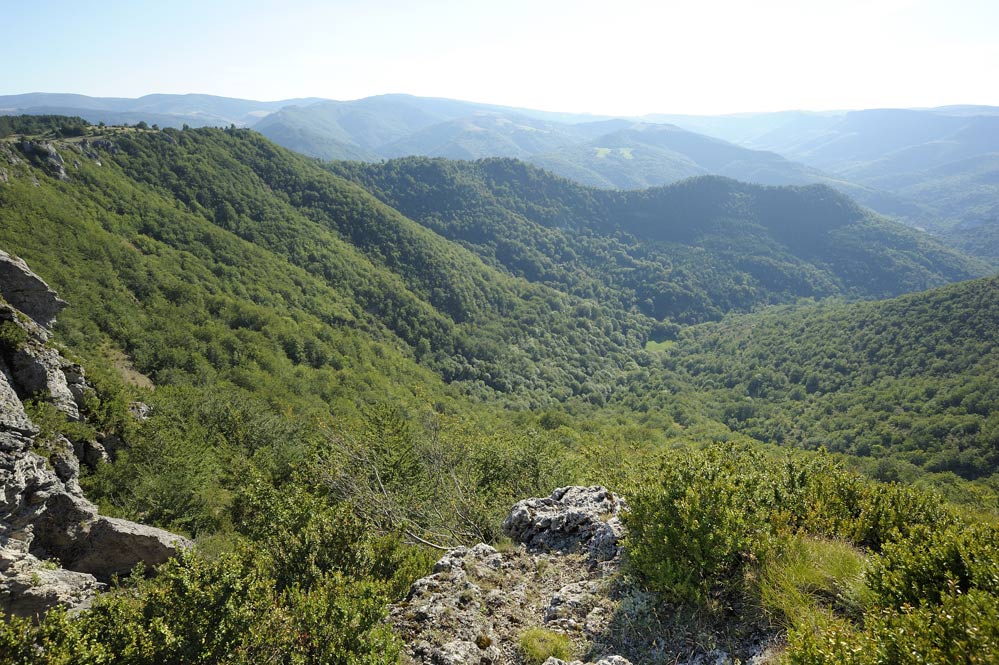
(235, 189)
(313, 349)
(907, 382)
(687, 252)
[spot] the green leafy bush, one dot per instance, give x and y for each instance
(703, 519)
(12, 337)
(693, 527)
(249, 605)
(931, 563)
(963, 628)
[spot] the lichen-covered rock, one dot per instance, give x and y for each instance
(13, 419)
(29, 587)
(563, 578)
(571, 519)
(38, 369)
(609, 660)
(140, 411)
(479, 601)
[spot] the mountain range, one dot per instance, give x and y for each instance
(932, 168)
(324, 372)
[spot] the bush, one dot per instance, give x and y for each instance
(227, 610)
(691, 531)
(964, 628)
(709, 517)
(12, 337)
(931, 563)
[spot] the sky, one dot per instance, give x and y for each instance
(613, 57)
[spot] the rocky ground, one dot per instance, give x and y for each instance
(55, 549)
(562, 574)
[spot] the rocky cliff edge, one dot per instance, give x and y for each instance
(55, 549)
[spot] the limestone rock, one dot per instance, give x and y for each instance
(563, 578)
(140, 411)
(47, 156)
(29, 587)
(44, 516)
(12, 415)
(38, 369)
(571, 519)
(479, 601)
(113, 546)
(27, 291)
(610, 660)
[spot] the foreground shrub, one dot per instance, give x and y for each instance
(311, 587)
(693, 527)
(963, 628)
(930, 563)
(702, 520)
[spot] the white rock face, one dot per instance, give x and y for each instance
(44, 516)
(28, 292)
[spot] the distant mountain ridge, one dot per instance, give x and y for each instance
(931, 168)
(944, 161)
(194, 110)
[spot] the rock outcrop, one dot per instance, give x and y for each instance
(28, 292)
(479, 601)
(562, 576)
(572, 518)
(55, 549)
(46, 156)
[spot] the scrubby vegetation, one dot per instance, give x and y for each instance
(858, 571)
(344, 384)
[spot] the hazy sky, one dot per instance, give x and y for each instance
(612, 56)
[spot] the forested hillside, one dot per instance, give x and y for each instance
(470, 322)
(348, 367)
(905, 382)
(686, 252)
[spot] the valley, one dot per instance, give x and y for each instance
(352, 365)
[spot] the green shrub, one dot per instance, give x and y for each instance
(227, 610)
(930, 563)
(704, 519)
(12, 337)
(538, 645)
(692, 529)
(964, 628)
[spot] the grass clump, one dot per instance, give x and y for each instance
(538, 645)
(812, 579)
